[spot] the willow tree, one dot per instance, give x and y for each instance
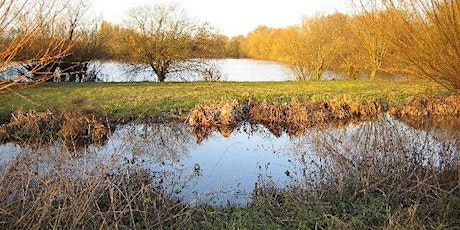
(424, 37)
(314, 48)
(431, 46)
(164, 37)
(259, 43)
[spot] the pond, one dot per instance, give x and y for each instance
(231, 165)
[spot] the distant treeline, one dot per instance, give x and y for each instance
(414, 38)
(410, 38)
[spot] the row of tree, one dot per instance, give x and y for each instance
(418, 38)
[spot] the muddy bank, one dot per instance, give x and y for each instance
(76, 127)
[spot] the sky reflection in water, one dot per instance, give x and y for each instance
(220, 169)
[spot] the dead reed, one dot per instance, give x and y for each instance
(292, 117)
(64, 197)
(73, 126)
(429, 107)
(378, 176)
(32, 126)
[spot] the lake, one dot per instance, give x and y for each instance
(230, 69)
(238, 70)
(229, 166)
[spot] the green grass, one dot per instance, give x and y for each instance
(125, 100)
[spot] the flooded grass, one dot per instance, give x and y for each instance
(429, 106)
(76, 127)
(374, 174)
(293, 117)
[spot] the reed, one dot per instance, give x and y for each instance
(293, 116)
(429, 106)
(74, 126)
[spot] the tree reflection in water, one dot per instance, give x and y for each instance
(156, 141)
(385, 155)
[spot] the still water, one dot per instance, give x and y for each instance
(229, 69)
(228, 167)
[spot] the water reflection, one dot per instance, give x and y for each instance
(387, 149)
(231, 70)
(445, 128)
(158, 141)
(230, 162)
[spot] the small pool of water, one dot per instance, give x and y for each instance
(228, 168)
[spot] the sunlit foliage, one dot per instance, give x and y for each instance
(407, 38)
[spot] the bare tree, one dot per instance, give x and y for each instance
(314, 48)
(163, 37)
(77, 29)
(424, 36)
(27, 35)
(373, 40)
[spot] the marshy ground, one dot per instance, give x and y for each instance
(365, 183)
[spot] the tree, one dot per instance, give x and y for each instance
(209, 44)
(43, 38)
(422, 35)
(431, 47)
(315, 46)
(75, 27)
(372, 28)
(294, 50)
(27, 35)
(234, 47)
(259, 43)
(111, 38)
(164, 38)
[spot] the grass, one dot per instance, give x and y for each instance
(137, 100)
(399, 191)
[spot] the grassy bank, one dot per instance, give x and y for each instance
(137, 100)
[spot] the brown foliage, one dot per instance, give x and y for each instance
(223, 116)
(33, 126)
(76, 127)
(429, 107)
(223, 113)
(293, 117)
(80, 126)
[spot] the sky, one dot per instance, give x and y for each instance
(231, 17)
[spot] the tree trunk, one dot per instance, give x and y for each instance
(161, 76)
(317, 74)
(373, 73)
(160, 71)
